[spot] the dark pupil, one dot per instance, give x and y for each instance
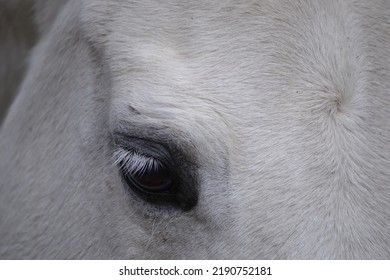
(154, 180)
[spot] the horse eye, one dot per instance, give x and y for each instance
(147, 176)
(154, 173)
(152, 181)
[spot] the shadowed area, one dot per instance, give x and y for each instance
(17, 35)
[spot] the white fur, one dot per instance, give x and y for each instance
(283, 106)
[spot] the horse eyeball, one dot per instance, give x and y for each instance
(157, 180)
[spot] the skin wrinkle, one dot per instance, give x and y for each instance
(275, 115)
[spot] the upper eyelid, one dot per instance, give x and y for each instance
(135, 162)
(169, 141)
(144, 147)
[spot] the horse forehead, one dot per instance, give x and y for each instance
(227, 66)
(214, 53)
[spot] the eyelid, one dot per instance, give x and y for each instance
(135, 163)
(144, 147)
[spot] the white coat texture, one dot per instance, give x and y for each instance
(282, 108)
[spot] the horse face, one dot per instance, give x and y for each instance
(201, 130)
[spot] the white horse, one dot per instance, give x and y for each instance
(201, 129)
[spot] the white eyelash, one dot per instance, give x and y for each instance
(134, 162)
